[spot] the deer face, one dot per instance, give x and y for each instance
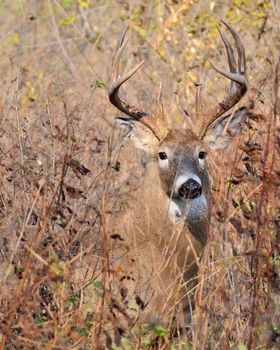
(182, 168)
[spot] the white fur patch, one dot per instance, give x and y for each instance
(163, 163)
(176, 209)
(201, 163)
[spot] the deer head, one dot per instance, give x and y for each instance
(181, 153)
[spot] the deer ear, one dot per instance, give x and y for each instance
(140, 135)
(221, 133)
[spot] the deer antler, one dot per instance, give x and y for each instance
(237, 75)
(154, 123)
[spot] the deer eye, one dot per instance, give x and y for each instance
(162, 155)
(202, 155)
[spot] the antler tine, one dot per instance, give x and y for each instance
(154, 124)
(160, 111)
(240, 49)
(239, 78)
(237, 75)
(117, 81)
(116, 60)
(230, 52)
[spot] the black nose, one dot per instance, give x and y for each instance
(190, 189)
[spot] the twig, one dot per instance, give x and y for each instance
(262, 28)
(22, 231)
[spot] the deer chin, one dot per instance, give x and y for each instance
(187, 209)
(178, 208)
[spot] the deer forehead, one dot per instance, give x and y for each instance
(181, 141)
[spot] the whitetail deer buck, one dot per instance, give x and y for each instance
(162, 235)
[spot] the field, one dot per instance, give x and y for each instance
(65, 173)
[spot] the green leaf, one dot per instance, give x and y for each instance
(74, 299)
(242, 347)
(97, 284)
(21, 269)
(97, 38)
(83, 332)
(38, 320)
(58, 268)
(99, 84)
(67, 21)
(66, 4)
(160, 331)
(137, 13)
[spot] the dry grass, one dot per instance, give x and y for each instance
(62, 179)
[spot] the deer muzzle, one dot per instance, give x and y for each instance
(190, 189)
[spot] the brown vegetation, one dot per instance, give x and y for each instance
(64, 174)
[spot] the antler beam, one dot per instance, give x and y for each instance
(237, 75)
(153, 123)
